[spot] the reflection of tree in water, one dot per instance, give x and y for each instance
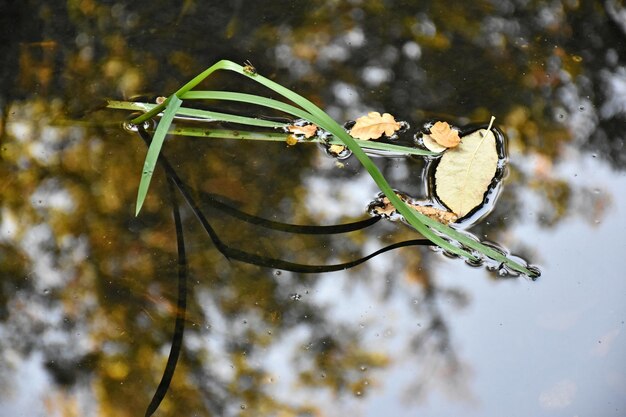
(89, 288)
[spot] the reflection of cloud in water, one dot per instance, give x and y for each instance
(560, 395)
(330, 199)
(605, 343)
(615, 89)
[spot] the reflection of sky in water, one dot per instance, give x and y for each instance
(551, 347)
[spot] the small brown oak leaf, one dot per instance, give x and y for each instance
(444, 135)
(374, 125)
(442, 216)
(307, 130)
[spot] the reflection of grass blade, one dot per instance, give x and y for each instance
(302, 229)
(179, 324)
(259, 260)
(173, 104)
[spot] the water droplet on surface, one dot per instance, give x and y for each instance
(295, 296)
(46, 291)
(242, 406)
(278, 272)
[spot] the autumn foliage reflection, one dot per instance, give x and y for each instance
(88, 290)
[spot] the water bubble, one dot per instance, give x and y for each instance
(363, 368)
(278, 272)
(295, 296)
(129, 127)
(581, 108)
(242, 406)
(46, 291)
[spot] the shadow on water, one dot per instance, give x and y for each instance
(87, 295)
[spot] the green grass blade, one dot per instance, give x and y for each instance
(229, 134)
(203, 115)
(172, 105)
(314, 114)
(247, 98)
(223, 64)
(320, 118)
(282, 137)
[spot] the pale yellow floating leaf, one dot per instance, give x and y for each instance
(373, 126)
(308, 131)
(465, 172)
(431, 144)
(444, 135)
(336, 149)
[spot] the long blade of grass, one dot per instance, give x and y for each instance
(320, 118)
(416, 219)
(173, 103)
(282, 137)
(200, 115)
(247, 98)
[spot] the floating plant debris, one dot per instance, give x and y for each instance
(374, 126)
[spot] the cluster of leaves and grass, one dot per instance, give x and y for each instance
(449, 239)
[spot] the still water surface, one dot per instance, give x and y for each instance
(88, 291)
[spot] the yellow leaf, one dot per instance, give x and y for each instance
(373, 126)
(464, 173)
(336, 149)
(444, 135)
(431, 144)
(307, 131)
(291, 140)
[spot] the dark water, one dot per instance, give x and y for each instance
(88, 292)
